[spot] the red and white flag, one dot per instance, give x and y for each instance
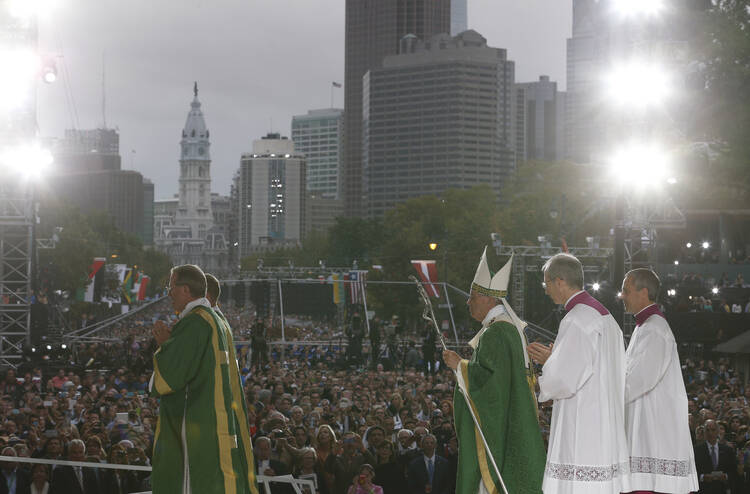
(93, 269)
(357, 284)
(427, 271)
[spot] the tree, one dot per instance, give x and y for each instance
(720, 80)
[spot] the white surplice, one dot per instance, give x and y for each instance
(656, 410)
(585, 376)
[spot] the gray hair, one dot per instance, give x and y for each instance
(567, 268)
(645, 278)
(77, 442)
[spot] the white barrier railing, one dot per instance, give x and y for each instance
(297, 484)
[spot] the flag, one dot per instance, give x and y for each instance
(336, 84)
(93, 269)
(427, 271)
(127, 284)
(336, 288)
(144, 283)
(357, 281)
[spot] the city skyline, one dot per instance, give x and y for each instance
(155, 52)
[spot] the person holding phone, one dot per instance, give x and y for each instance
(362, 483)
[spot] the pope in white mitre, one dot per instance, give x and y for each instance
(584, 373)
(656, 404)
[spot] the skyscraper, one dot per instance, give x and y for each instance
(89, 175)
(373, 30)
(437, 116)
(459, 17)
(539, 116)
(319, 135)
(271, 196)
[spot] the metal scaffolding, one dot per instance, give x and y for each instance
(16, 233)
(529, 258)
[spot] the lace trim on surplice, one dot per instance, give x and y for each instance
(585, 473)
(660, 466)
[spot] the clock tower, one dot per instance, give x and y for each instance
(194, 206)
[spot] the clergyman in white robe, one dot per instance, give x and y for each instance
(656, 409)
(585, 376)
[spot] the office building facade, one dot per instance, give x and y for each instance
(271, 196)
(318, 136)
(373, 31)
(538, 118)
(437, 116)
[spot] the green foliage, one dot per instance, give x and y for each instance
(84, 237)
(720, 47)
(557, 200)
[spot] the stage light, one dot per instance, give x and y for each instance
(676, 262)
(619, 294)
(49, 347)
(640, 164)
(433, 245)
(30, 161)
(33, 349)
(595, 287)
(688, 245)
(637, 8)
(636, 85)
(64, 346)
(706, 245)
(714, 290)
(49, 71)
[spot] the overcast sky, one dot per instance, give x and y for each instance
(257, 63)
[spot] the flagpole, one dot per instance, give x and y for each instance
(364, 302)
(332, 95)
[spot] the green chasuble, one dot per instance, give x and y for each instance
(201, 414)
(506, 408)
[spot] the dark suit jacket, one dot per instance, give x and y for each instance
(417, 475)
(64, 481)
(727, 464)
(22, 482)
(128, 482)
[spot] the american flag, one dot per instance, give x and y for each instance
(357, 285)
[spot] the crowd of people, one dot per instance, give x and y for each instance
(309, 414)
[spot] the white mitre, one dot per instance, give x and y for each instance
(497, 287)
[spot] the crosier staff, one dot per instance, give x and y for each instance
(428, 314)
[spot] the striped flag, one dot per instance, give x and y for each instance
(357, 283)
(93, 269)
(427, 271)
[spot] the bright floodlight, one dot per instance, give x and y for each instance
(633, 8)
(30, 161)
(595, 287)
(676, 262)
(20, 67)
(688, 245)
(705, 245)
(642, 164)
(714, 290)
(636, 84)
